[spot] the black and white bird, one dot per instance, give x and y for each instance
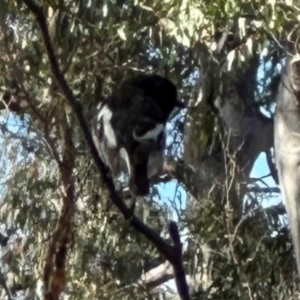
(129, 130)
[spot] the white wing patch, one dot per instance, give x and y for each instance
(105, 114)
(151, 134)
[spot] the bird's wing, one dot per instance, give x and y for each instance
(105, 140)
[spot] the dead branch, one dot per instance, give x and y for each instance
(55, 266)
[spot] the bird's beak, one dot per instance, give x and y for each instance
(180, 104)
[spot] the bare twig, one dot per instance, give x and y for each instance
(173, 253)
(258, 189)
(179, 273)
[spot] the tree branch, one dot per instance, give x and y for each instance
(185, 174)
(8, 101)
(179, 273)
(171, 253)
(157, 276)
(55, 266)
(258, 189)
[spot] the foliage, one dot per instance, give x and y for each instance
(237, 248)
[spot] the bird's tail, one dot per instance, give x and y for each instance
(139, 182)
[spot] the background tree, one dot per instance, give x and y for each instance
(225, 58)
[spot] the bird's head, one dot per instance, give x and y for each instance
(160, 89)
